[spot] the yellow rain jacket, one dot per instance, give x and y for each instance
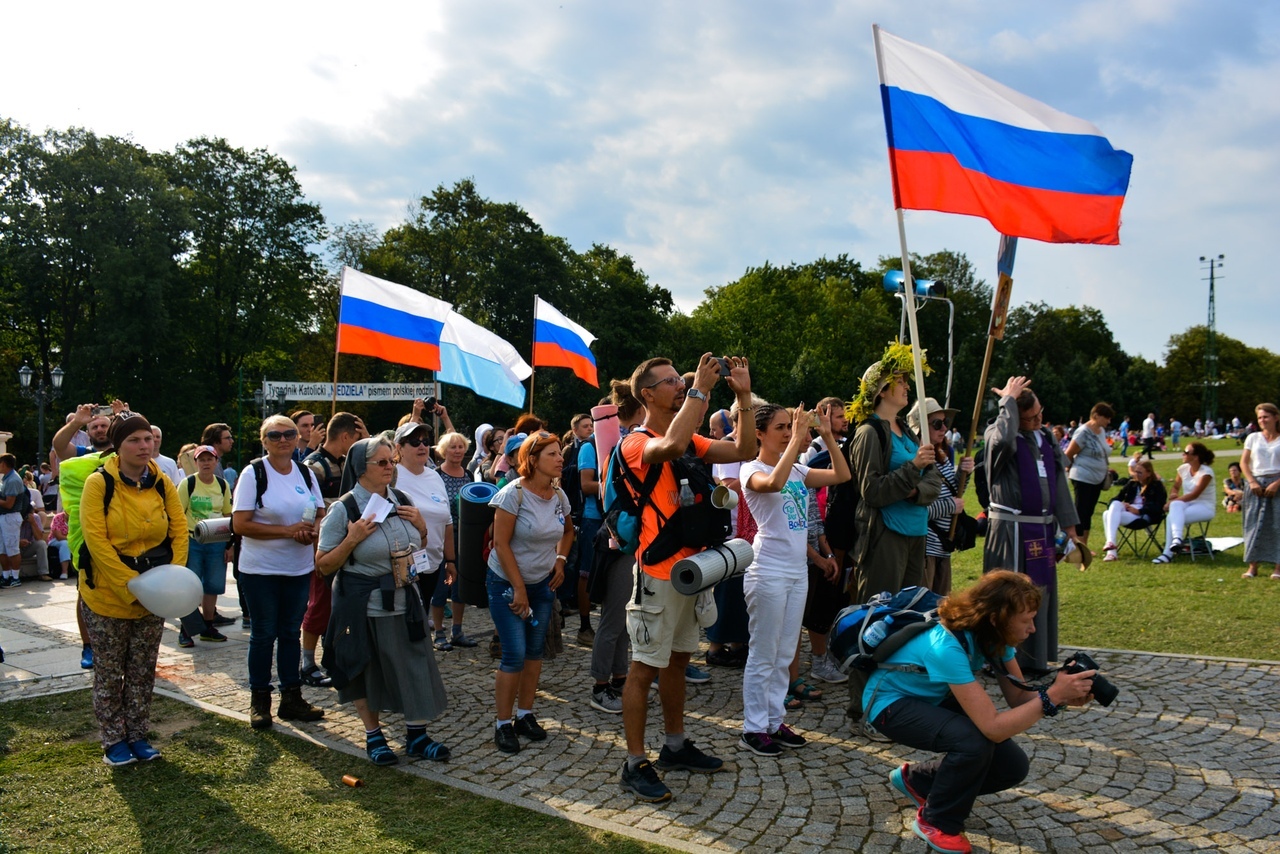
(137, 520)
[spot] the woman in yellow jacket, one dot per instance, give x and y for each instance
(132, 521)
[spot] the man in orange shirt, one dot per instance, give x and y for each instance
(662, 625)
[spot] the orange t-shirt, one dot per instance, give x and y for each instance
(666, 498)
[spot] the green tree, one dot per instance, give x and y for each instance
(251, 273)
(1248, 376)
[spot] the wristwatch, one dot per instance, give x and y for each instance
(697, 394)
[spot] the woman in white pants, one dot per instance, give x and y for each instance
(1194, 497)
(777, 582)
(1141, 500)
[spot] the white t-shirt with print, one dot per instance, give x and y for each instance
(428, 493)
(282, 504)
(783, 522)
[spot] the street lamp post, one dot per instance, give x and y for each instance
(41, 394)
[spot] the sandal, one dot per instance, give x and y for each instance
(802, 691)
(1275, 576)
(1163, 558)
(793, 703)
(1251, 574)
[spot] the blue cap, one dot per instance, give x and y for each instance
(513, 443)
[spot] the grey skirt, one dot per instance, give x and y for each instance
(1261, 525)
(402, 675)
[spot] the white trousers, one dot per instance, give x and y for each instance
(1113, 518)
(1180, 513)
(775, 609)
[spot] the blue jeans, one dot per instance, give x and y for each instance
(278, 603)
(521, 640)
(206, 560)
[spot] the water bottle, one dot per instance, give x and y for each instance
(309, 514)
(686, 494)
(510, 596)
(877, 633)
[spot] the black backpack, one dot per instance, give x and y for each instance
(698, 525)
(843, 500)
(571, 481)
(141, 563)
(260, 479)
(22, 503)
(191, 484)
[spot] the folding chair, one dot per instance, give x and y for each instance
(1140, 538)
(1198, 543)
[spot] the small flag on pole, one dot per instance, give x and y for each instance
(389, 321)
(959, 142)
(558, 342)
(473, 357)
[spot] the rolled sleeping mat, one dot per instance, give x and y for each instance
(709, 567)
(474, 518)
(605, 418)
(213, 530)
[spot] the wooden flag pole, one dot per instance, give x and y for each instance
(337, 345)
(999, 314)
(533, 346)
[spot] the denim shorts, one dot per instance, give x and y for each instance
(521, 640)
(208, 560)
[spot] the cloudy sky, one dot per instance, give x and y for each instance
(704, 138)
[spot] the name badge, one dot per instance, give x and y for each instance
(422, 563)
(1040, 468)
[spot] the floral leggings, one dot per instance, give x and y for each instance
(124, 673)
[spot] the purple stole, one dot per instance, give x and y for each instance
(1038, 560)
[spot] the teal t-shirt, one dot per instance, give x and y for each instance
(945, 663)
(904, 517)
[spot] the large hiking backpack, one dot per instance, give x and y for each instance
(864, 636)
(699, 525)
(571, 480)
(843, 500)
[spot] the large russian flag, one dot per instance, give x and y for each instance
(558, 342)
(960, 142)
(389, 321)
(474, 357)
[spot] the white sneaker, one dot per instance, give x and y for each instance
(825, 669)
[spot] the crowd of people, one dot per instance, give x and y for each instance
(347, 542)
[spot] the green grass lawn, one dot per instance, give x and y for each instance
(222, 787)
(1200, 608)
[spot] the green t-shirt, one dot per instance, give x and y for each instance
(71, 477)
(206, 501)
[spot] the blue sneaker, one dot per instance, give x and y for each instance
(694, 676)
(86, 658)
(118, 755)
(144, 751)
(898, 779)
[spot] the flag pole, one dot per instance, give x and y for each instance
(337, 343)
(999, 313)
(533, 346)
(908, 283)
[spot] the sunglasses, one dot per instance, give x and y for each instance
(381, 463)
(666, 381)
(938, 423)
(281, 435)
(413, 443)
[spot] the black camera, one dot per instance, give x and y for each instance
(429, 405)
(1103, 691)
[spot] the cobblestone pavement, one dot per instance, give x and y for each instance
(1184, 760)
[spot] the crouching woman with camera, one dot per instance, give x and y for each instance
(937, 704)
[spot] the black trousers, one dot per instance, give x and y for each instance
(1087, 495)
(972, 764)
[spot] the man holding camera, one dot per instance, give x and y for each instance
(1030, 499)
(660, 621)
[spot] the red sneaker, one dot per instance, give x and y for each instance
(949, 843)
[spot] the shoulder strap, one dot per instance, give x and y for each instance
(306, 474)
(109, 488)
(191, 484)
(639, 489)
(349, 504)
(401, 497)
(222, 483)
(260, 480)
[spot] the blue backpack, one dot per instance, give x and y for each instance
(863, 637)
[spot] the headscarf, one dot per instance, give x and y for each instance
(482, 433)
(357, 462)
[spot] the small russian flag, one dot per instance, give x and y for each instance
(389, 321)
(558, 342)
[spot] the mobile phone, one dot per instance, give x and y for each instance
(725, 367)
(103, 411)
